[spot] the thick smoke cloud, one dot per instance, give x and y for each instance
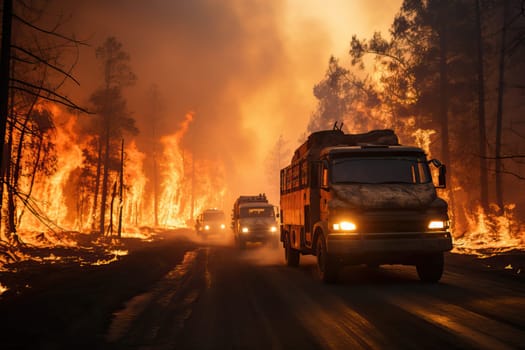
(245, 68)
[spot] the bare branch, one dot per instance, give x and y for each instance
(519, 177)
(513, 156)
(39, 59)
(53, 33)
(57, 97)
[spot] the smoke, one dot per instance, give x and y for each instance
(244, 69)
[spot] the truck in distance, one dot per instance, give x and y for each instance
(211, 222)
(254, 220)
(355, 199)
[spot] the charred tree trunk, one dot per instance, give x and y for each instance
(105, 177)
(111, 206)
(120, 190)
(484, 195)
(155, 186)
(9, 220)
(499, 113)
(97, 184)
(5, 58)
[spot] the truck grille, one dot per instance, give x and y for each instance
(398, 222)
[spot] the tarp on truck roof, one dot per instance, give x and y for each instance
(328, 138)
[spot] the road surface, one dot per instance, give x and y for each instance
(219, 297)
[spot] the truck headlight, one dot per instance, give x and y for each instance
(344, 226)
(437, 225)
(206, 227)
(223, 226)
(245, 230)
(273, 229)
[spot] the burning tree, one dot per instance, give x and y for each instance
(111, 122)
(432, 75)
(33, 71)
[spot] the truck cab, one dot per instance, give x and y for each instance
(254, 220)
(211, 222)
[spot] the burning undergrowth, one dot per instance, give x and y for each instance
(35, 252)
(491, 233)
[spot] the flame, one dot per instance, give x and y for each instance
(135, 182)
(490, 233)
(180, 198)
(189, 185)
(173, 171)
(116, 255)
(3, 289)
(48, 192)
(422, 139)
(56, 197)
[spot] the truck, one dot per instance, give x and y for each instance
(363, 199)
(211, 223)
(254, 220)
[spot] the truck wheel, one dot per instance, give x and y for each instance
(291, 255)
(430, 268)
(326, 265)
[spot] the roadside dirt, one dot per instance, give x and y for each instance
(67, 303)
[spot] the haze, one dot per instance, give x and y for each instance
(245, 69)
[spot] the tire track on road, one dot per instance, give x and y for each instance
(149, 320)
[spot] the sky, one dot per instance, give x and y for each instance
(244, 68)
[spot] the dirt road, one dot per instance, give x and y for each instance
(223, 298)
(188, 295)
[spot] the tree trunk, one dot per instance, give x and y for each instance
(443, 92)
(5, 59)
(112, 203)
(97, 185)
(499, 113)
(9, 219)
(104, 181)
(483, 185)
(120, 190)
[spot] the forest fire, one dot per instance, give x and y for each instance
(490, 234)
(61, 202)
(96, 173)
(57, 206)
(479, 232)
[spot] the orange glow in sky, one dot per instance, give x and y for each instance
(246, 69)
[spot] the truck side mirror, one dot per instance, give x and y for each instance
(442, 179)
(442, 172)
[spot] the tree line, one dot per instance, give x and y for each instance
(37, 61)
(454, 69)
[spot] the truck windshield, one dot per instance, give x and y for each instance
(257, 212)
(380, 170)
(214, 216)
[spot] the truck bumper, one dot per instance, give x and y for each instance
(259, 236)
(391, 246)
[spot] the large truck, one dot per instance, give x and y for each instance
(353, 199)
(254, 220)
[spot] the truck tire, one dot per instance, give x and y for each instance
(327, 267)
(291, 256)
(430, 268)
